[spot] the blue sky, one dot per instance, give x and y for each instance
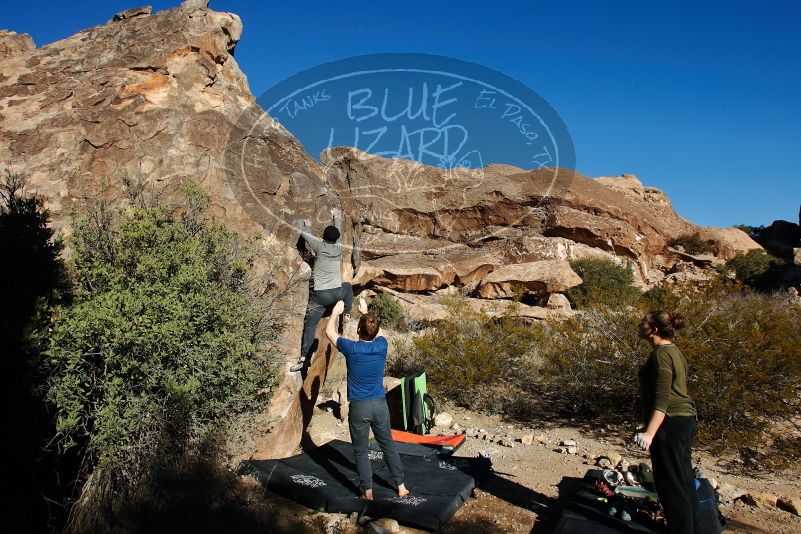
(700, 99)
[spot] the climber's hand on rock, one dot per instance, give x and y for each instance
(339, 307)
(336, 212)
(362, 305)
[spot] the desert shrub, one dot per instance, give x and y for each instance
(754, 232)
(660, 298)
(752, 267)
(471, 359)
(604, 281)
(160, 343)
(593, 358)
(389, 311)
(691, 243)
(741, 347)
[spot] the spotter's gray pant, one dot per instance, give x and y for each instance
(364, 415)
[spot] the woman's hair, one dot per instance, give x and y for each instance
(368, 327)
(666, 323)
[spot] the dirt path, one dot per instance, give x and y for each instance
(528, 479)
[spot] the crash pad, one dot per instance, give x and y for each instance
(454, 441)
(326, 479)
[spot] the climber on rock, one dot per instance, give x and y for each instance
(328, 287)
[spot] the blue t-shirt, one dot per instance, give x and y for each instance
(365, 361)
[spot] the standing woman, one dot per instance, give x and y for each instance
(669, 419)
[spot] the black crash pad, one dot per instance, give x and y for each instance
(326, 479)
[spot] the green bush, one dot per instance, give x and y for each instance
(752, 267)
(472, 359)
(160, 343)
(691, 243)
(742, 348)
(604, 281)
(389, 311)
(659, 298)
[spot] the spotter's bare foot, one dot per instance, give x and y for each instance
(368, 495)
(402, 491)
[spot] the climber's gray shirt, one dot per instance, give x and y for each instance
(326, 273)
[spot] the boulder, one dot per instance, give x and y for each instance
(472, 205)
(443, 420)
(606, 233)
(761, 500)
(726, 243)
(728, 493)
(390, 383)
(780, 238)
(538, 278)
(429, 272)
(384, 526)
(13, 44)
(604, 463)
(377, 243)
(507, 442)
(614, 458)
(434, 308)
(557, 301)
(790, 504)
(191, 5)
(630, 185)
(131, 13)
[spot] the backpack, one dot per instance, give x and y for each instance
(418, 406)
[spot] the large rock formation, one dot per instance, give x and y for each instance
(504, 215)
(159, 97)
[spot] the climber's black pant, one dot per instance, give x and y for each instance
(673, 473)
(364, 415)
(319, 303)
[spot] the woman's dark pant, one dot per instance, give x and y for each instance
(364, 415)
(673, 473)
(319, 302)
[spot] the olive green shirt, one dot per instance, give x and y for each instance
(663, 384)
